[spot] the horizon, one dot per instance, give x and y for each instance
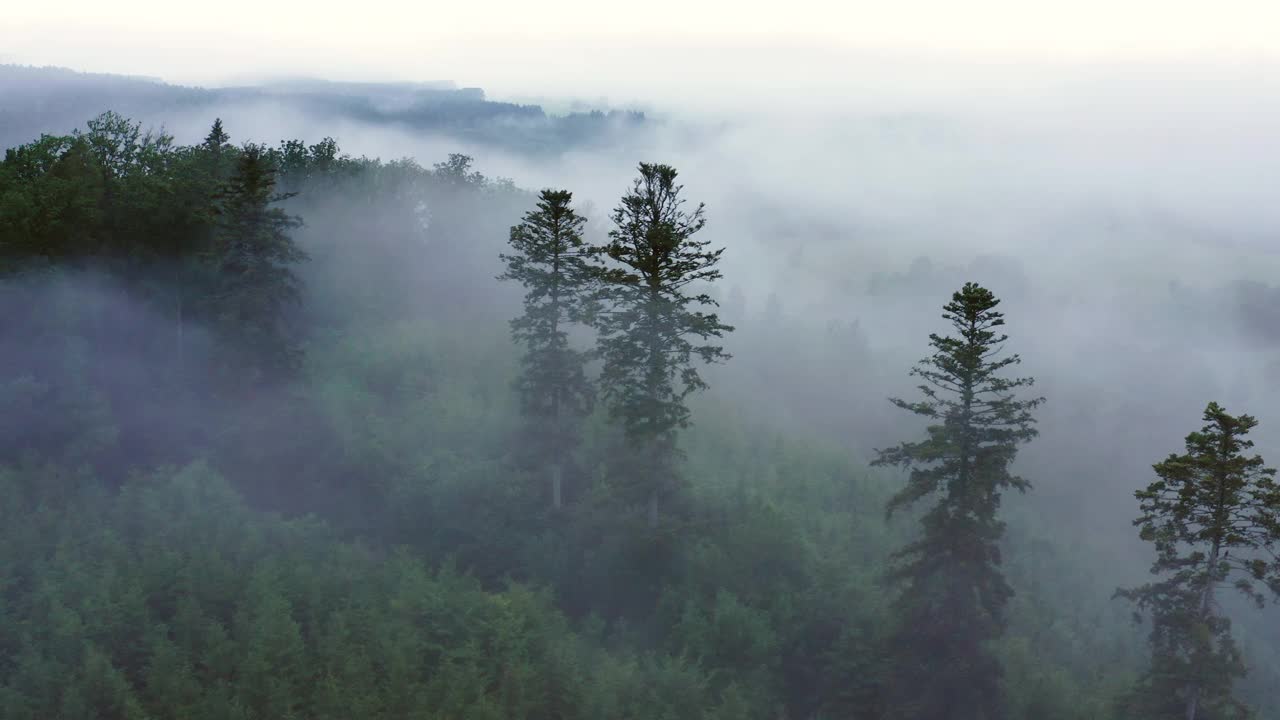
(705, 54)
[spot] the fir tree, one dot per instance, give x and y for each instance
(216, 140)
(650, 325)
(953, 592)
(253, 258)
(551, 261)
(272, 669)
(1213, 515)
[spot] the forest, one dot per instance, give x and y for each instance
(289, 433)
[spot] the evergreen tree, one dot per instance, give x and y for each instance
(216, 140)
(253, 256)
(1213, 515)
(650, 325)
(551, 261)
(198, 184)
(272, 665)
(954, 594)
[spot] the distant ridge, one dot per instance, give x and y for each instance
(35, 100)
(313, 84)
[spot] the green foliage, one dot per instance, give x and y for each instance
(1208, 503)
(174, 599)
(252, 258)
(555, 394)
(953, 604)
(157, 268)
(406, 575)
(649, 323)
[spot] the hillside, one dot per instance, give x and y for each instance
(311, 496)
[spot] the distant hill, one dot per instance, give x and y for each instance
(46, 99)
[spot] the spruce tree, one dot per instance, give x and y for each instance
(953, 594)
(216, 140)
(200, 185)
(253, 257)
(651, 323)
(551, 262)
(1213, 515)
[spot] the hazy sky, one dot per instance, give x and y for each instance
(596, 46)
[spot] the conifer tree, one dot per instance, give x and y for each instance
(216, 140)
(551, 262)
(202, 180)
(651, 326)
(1213, 515)
(272, 670)
(217, 156)
(953, 593)
(253, 257)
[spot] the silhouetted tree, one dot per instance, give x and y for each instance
(216, 140)
(953, 592)
(650, 327)
(1213, 515)
(457, 171)
(550, 260)
(253, 256)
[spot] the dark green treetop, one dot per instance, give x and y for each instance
(651, 327)
(1213, 514)
(954, 594)
(651, 321)
(550, 260)
(254, 256)
(216, 140)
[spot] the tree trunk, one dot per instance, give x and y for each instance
(1221, 519)
(1206, 598)
(556, 476)
(657, 448)
(558, 447)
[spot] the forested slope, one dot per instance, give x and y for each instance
(262, 458)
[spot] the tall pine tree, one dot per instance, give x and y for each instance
(1213, 515)
(551, 261)
(651, 324)
(953, 593)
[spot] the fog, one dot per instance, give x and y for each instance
(1118, 208)
(1125, 212)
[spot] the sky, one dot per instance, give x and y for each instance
(636, 49)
